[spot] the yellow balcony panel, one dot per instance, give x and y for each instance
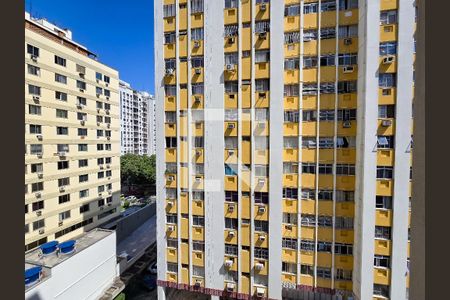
(346, 209)
(171, 277)
(347, 100)
(197, 20)
(171, 181)
(327, 101)
(182, 15)
(261, 184)
(262, 41)
(290, 103)
(262, 11)
(231, 75)
(324, 259)
(261, 239)
(327, 46)
(344, 236)
(171, 231)
(171, 206)
(307, 280)
(196, 47)
(290, 180)
(348, 17)
(382, 247)
(343, 261)
(183, 99)
(309, 102)
(388, 4)
(290, 129)
(387, 66)
(169, 24)
(230, 236)
(343, 285)
(289, 231)
(289, 2)
(310, 75)
(388, 33)
(197, 128)
(289, 255)
(291, 50)
(325, 234)
(292, 278)
(309, 128)
(385, 157)
(307, 232)
(245, 284)
(387, 96)
(246, 127)
(290, 206)
(261, 157)
(245, 207)
(245, 183)
(384, 187)
(183, 45)
(183, 151)
(197, 75)
(230, 16)
(170, 79)
(348, 73)
(264, 269)
(290, 155)
(246, 70)
(230, 44)
(231, 183)
(308, 155)
(230, 156)
(310, 21)
(383, 217)
(230, 128)
(381, 276)
(348, 129)
(328, 19)
(230, 210)
(167, 2)
(325, 208)
(246, 96)
(171, 155)
(246, 153)
(346, 155)
(386, 127)
(245, 261)
(325, 181)
(246, 39)
(345, 182)
(170, 103)
(308, 207)
(262, 70)
(184, 204)
(234, 260)
(197, 155)
(198, 208)
(262, 99)
(198, 258)
(328, 74)
(170, 129)
(325, 128)
(171, 255)
(197, 182)
(169, 51)
(347, 45)
(185, 275)
(184, 228)
(231, 101)
(292, 23)
(308, 180)
(245, 235)
(261, 212)
(323, 283)
(199, 280)
(198, 233)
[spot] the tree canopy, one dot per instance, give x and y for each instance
(138, 169)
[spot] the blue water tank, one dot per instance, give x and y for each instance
(49, 247)
(32, 275)
(67, 247)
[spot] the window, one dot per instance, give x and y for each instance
(81, 101)
(34, 90)
(81, 85)
(292, 37)
(386, 111)
(171, 142)
(307, 269)
(262, 56)
(388, 48)
(345, 87)
(345, 196)
(324, 246)
(32, 50)
(289, 243)
(387, 80)
(343, 223)
(196, 6)
(289, 268)
(231, 223)
(63, 165)
(37, 187)
(323, 272)
(169, 10)
(35, 129)
(61, 113)
(84, 208)
(262, 26)
(381, 290)
(291, 64)
(64, 215)
(63, 181)
(61, 78)
(291, 116)
(35, 149)
(198, 221)
(290, 218)
(197, 34)
(98, 76)
(262, 85)
(64, 198)
(309, 89)
(169, 38)
(310, 8)
(261, 197)
(230, 170)
(290, 142)
(36, 168)
(231, 87)
(197, 62)
(262, 226)
(308, 194)
(62, 131)
(383, 202)
(343, 249)
(342, 274)
(388, 17)
(327, 33)
(197, 89)
(348, 31)
(231, 196)
(60, 96)
(83, 178)
(348, 59)
(38, 224)
(261, 170)
(84, 193)
(33, 70)
(346, 114)
(325, 221)
(292, 10)
(348, 4)
(290, 193)
(231, 58)
(38, 205)
(290, 168)
(385, 142)
(383, 232)
(384, 172)
(345, 169)
(82, 132)
(60, 61)
(34, 109)
(261, 253)
(82, 163)
(101, 202)
(381, 261)
(261, 142)
(325, 195)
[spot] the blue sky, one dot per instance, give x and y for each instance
(120, 32)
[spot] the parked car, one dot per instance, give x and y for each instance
(153, 268)
(149, 282)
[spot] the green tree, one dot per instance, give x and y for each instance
(138, 169)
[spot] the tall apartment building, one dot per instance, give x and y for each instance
(72, 155)
(151, 125)
(287, 133)
(134, 120)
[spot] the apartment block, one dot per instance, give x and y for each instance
(135, 120)
(286, 128)
(72, 147)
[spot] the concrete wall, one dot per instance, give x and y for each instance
(130, 223)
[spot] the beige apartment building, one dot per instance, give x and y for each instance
(72, 136)
(284, 133)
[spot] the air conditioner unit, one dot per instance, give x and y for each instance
(170, 178)
(231, 233)
(107, 111)
(261, 209)
(169, 72)
(101, 167)
(197, 283)
(388, 59)
(107, 97)
(261, 125)
(262, 95)
(346, 124)
(260, 292)
(80, 106)
(108, 138)
(108, 125)
(81, 75)
(229, 67)
(348, 69)
(98, 110)
(39, 154)
(196, 44)
(230, 208)
(230, 287)
(170, 228)
(108, 166)
(198, 152)
(386, 92)
(39, 213)
(36, 98)
(198, 179)
(101, 208)
(262, 35)
(33, 58)
(198, 71)
(82, 90)
(231, 126)
(386, 123)
(98, 95)
(41, 231)
(261, 181)
(62, 188)
(110, 192)
(231, 40)
(38, 195)
(62, 153)
(347, 41)
(98, 80)
(288, 226)
(263, 7)
(228, 263)
(40, 175)
(262, 237)
(259, 266)
(39, 136)
(109, 204)
(60, 223)
(82, 122)
(170, 203)
(230, 152)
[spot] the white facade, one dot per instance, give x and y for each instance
(135, 121)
